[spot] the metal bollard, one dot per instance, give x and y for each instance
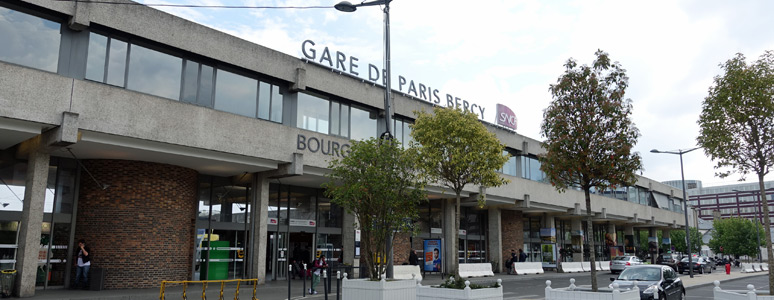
(290, 270)
(338, 285)
(304, 280)
(325, 286)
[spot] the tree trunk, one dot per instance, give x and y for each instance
(767, 227)
(592, 248)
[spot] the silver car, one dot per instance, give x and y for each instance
(619, 263)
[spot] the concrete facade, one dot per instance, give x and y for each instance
(117, 129)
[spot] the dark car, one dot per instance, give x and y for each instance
(654, 282)
(700, 265)
(667, 260)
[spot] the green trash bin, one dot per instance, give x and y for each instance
(7, 278)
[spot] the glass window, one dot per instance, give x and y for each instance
(95, 62)
(28, 40)
(264, 100)
(190, 82)
(236, 94)
(335, 118)
(276, 104)
(154, 72)
(363, 124)
(206, 82)
(397, 130)
(509, 168)
(313, 113)
(116, 62)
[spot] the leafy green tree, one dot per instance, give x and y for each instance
(737, 125)
(457, 150)
(589, 133)
(379, 184)
(736, 236)
(678, 240)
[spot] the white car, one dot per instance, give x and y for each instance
(619, 263)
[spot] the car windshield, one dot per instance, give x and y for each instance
(641, 274)
(695, 259)
(621, 258)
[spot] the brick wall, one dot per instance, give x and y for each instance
(141, 228)
(513, 232)
(401, 247)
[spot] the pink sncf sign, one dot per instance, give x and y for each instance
(506, 117)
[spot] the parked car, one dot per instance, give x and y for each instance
(700, 265)
(667, 260)
(654, 282)
(619, 263)
(713, 262)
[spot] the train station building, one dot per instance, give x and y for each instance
(179, 152)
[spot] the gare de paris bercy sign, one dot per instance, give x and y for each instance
(349, 64)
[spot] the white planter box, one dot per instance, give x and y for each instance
(434, 293)
(359, 289)
(571, 293)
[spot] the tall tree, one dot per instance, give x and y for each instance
(736, 236)
(737, 125)
(457, 150)
(589, 134)
(379, 184)
(678, 240)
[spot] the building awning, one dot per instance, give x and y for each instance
(662, 201)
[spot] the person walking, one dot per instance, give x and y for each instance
(522, 256)
(319, 264)
(83, 263)
(413, 259)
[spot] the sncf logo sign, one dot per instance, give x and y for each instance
(506, 117)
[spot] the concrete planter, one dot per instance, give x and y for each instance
(358, 289)
(571, 292)
(434, 293)
(749, 294)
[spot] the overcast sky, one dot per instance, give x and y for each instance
(509, 52)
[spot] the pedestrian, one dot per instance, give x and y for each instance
(83, 262)
(413, 259)
(522, 256)
(319, 264)
(511, 260)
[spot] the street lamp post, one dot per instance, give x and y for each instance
(757, 232)
(346, 6)
(685, 204)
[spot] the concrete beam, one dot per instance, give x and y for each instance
(294, 168)
(80, 18)
(299, 82)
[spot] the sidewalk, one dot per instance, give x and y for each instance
(279, 289)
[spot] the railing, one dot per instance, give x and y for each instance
(185, 284)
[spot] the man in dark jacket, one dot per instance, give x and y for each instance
(522, 256)
(413, 259)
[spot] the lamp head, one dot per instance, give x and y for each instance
(345, 6)
(655, 151)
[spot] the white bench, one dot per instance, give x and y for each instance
(523, 268)
(476, 270)
(765, 266)
(406, 272)
(572, 267)
(604, 265)
(748, 268)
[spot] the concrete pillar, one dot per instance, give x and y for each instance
(31, 220)
(258, 227)
(577, 240)
(653, 246)
(450, 253)
(629, 239)
(348, 242)
(666, 234)
(495, 239)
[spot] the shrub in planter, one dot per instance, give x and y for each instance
(454, 289)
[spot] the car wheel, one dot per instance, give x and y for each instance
(681, 295)
(661, 296)
(710, 270)
(701, 270)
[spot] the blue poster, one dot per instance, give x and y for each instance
(433, 255)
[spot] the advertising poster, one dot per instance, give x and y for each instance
(629, 243)
(550, 253)
(616, 251)
(433, 256)
(652, 244)
(548, 235)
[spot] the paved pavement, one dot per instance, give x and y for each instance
(515, 287)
